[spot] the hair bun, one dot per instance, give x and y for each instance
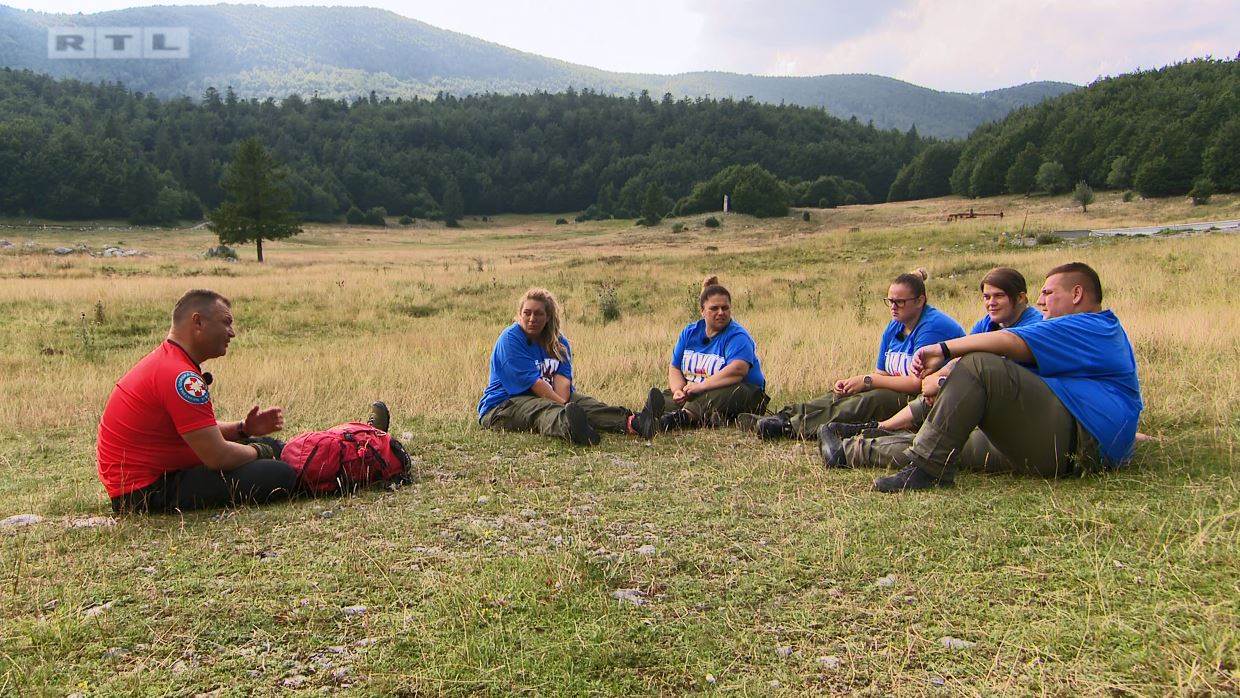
(710, 281)
(921, 271)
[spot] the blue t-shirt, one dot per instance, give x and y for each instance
(1028, 317)
(1087, 361)
(699, 357)
(516, 363)
(896, 349)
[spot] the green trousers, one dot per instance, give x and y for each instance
(542, 416)
(891, 451)
(721, 405)
(876, 404)
(1027, 429)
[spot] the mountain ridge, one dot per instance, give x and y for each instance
(350, 51)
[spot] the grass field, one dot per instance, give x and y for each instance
(498, 570)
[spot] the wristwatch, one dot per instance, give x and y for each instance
(868, 381)
(942, 380)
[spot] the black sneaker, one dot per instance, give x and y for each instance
(846, 430)
(776, 426)
(646, 422)
(379, 417)
(579, 430)
(676, 419)
(831, 446)
(911, 478)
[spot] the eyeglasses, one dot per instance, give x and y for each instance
(898, 302)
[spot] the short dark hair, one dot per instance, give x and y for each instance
(196, 300)
(1081, 274)
(1005, 279)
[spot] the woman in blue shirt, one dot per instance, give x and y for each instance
(882, 392)
(531, 383)
(714, 374)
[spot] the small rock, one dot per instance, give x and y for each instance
(180, 666)
(937, 681)
(98, 610)
(888, 581)
(623, 463)
(326, 514)
(774, 683)
(829, 662)
(114, 653)
(835, 592)
(366, 642)
(483, 499)
(340, 673)
(784, 651)
(710, 679)
(63, 250)
(955, 643)
(1118, 565)
(294, 681)
(354, 610)
(632, 596)
(647, 550)
(406, 436)
(529, 514)
(93, 522)
(19, 520)
(266, 554)
(51, 605)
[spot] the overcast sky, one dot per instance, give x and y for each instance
(965, 45)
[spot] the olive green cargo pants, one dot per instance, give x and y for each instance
(995, 414)
(543, 416)
(721, 405)
(871, 405)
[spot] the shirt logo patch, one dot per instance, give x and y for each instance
(192, 388)
(548, 367)
(697, 367)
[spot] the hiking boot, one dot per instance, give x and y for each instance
(677, 419)
(579, 430)
(748, 422)
(776, 426)
(379, 417)
(831, 446)
(911, 478)
(846, 430)
(646, 422)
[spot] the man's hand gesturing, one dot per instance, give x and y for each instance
(262, 423)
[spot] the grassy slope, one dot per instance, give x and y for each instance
(494, 572)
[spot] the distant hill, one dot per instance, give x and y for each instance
(351, 51)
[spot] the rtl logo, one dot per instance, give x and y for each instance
(117, 42)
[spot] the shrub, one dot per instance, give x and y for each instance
(1048, 239)
(1128, 195)
(376, 216)
(1202, 190)
(805, 215)
(1154, 178)
(711, 222)
(406, 220)
(608, 303)
(1083, 195)
(221, 252)
(354, 216)
(678, 227)
(561, 221)
(752, 190)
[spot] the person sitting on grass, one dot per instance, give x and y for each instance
(160, 447)
(881, 393)
(1005, 301)
(714, 374)
(531, 383)
(1077, 406)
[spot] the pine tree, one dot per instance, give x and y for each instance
(453, 204)
(653, 205)
(1083, 195)
(258, 202)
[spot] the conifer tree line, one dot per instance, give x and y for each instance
(1162, 132)
(70, 150)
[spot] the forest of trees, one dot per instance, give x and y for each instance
(70, 150)
(1161, 132)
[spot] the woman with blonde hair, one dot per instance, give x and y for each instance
(531, 383)
(714, 374)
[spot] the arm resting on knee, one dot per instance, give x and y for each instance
(216, 453)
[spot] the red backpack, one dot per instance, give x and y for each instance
(345, 457)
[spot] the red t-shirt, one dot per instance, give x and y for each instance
(161, 398)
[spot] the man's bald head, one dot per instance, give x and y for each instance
(198, 300)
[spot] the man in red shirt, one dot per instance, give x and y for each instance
(160, 447)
